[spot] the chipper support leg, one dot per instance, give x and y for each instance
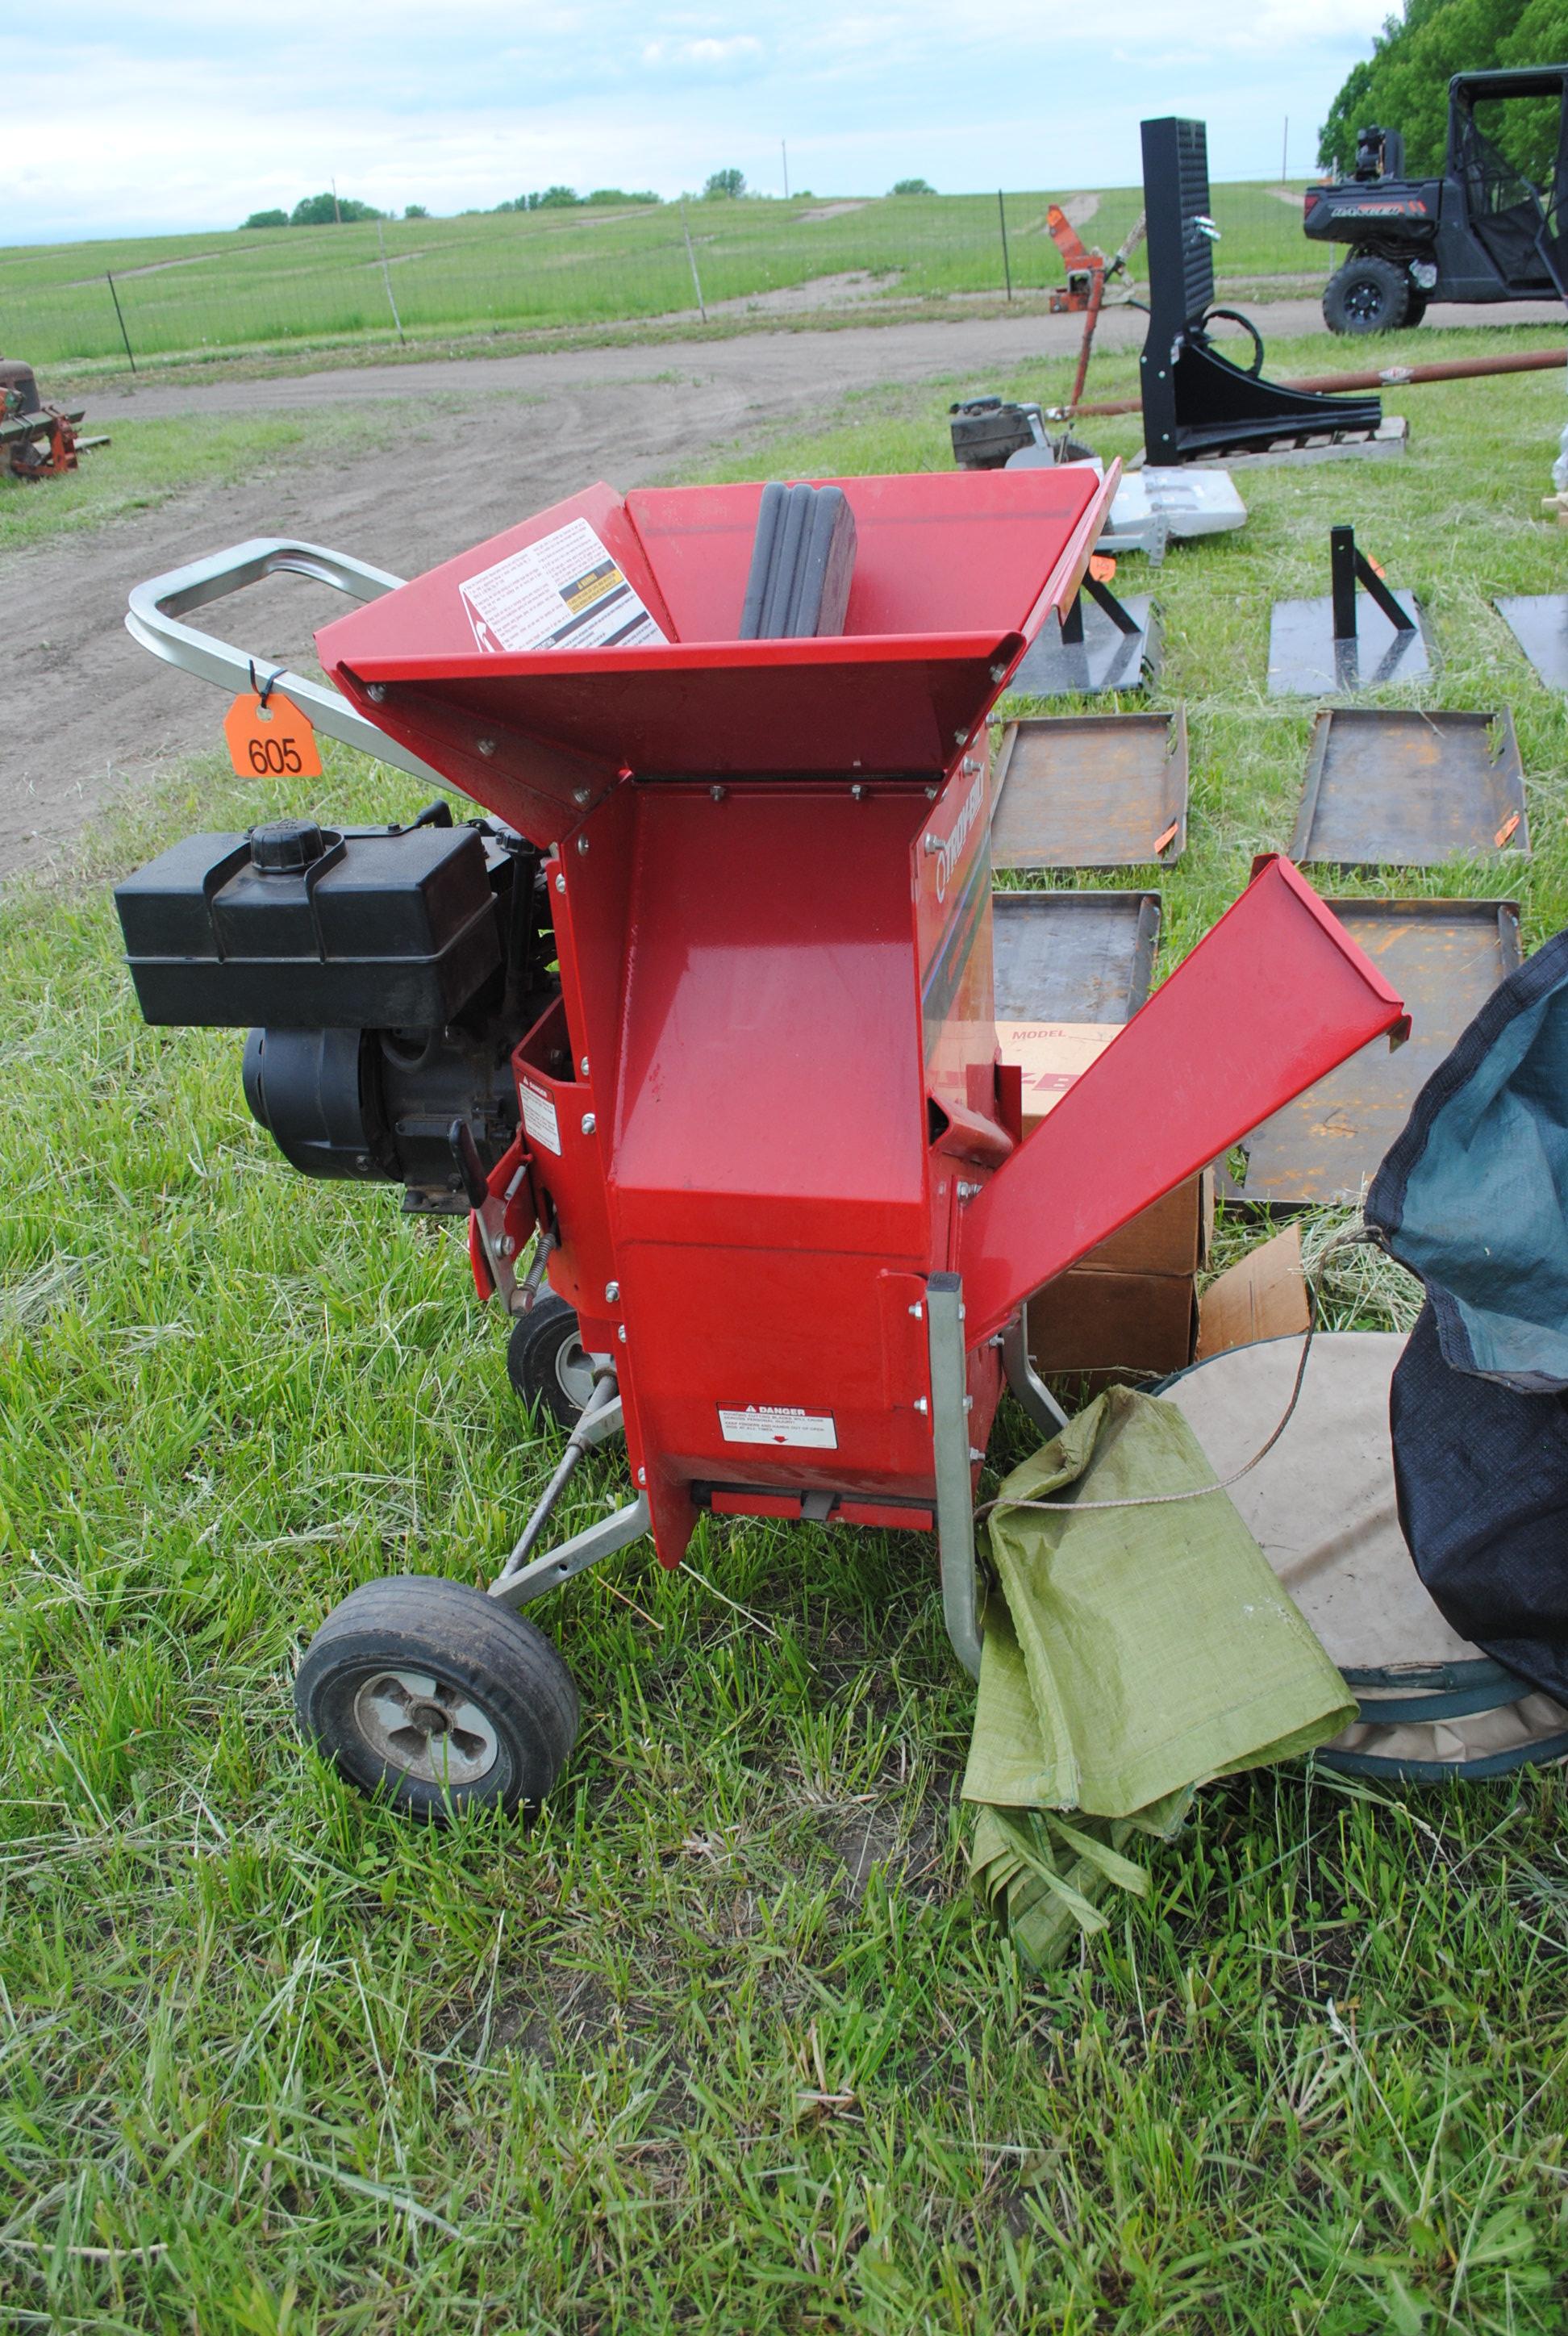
(1025, 1381)
(951, 1443)
(574, 1556)
(524, 1576)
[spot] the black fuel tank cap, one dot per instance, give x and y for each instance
(283, 846)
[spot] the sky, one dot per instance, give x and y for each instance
(181, 115)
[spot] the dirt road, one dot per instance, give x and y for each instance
(465, 447)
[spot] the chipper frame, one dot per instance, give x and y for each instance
(760, 1127)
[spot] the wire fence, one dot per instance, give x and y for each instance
(120, 304)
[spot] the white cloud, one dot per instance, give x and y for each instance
(168, 113)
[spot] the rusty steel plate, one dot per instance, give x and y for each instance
(1539, 623)
(1305, 660)
(1073, 957)
(1410, 790)
(1444, 957)
(1105, 658)
(1091, 790)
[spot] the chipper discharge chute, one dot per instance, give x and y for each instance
(703, 1010)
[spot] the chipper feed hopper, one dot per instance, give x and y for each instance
(703, 1010)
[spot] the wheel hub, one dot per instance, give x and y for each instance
(425, 1729)
(574, 1373)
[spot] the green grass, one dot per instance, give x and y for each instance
(720, 2042)
(189, 296)
(148, 462)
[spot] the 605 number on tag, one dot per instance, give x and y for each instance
(272, 740)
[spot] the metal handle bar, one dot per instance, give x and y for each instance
(157, 606)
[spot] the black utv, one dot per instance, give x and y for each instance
(1494, 227)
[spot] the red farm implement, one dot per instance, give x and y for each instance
(36, 441)
(703, 1010)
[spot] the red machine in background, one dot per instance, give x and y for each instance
(1088, 272)
(757, 1126)
(36, 441)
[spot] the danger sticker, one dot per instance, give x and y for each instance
(539, 1123)
(565, 592)
(779, 1423)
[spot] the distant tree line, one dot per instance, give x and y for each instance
(721, 186)
(328, 210)
(567, 198)
(1404, 84)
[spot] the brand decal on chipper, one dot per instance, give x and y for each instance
(540, 1123)
(779, 1423)
(949, 853)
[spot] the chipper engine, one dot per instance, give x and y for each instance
(696, 1024)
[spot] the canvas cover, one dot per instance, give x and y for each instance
(1474, 1199)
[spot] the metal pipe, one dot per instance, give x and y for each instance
(1391, 377)
(1447, 369)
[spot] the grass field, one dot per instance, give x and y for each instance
(148, 462)
(182, 295)
(721, 2042)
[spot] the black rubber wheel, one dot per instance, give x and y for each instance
(437, 1697)
(1417, 308)
(1368, 294)
(546, 1363)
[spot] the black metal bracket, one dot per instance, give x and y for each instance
(1107, 601)
(1196, 402)
(1346, 567)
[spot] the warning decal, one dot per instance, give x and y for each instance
(779, 1423)
(565, 592)
(539, 1123)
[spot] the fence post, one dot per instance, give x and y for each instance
(1007, 265)
(121, 314)
(697, 279)
(386, 279)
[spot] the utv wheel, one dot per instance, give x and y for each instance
(1418, 306)
(546, 1362)
(438, 1696)
(1368, 296)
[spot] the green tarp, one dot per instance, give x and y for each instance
(1130, 1655)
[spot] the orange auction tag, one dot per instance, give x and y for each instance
(272, 740)
(1102, 567)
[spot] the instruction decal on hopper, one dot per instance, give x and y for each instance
(564, 591)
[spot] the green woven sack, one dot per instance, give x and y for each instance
(1133, 1652)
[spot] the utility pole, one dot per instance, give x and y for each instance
(1285, 156)
(784, 151)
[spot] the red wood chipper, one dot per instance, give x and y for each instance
(703, 1011)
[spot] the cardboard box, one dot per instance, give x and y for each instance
(1051, 1055)
(1262, 1295)
(1129, 1309)
(1113, 1325)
